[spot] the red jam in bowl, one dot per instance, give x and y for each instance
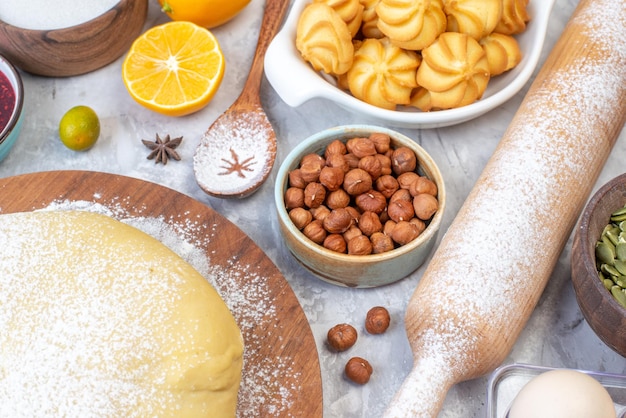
(7, 101)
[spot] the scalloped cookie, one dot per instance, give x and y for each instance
(454, 70)
(383, 74)
(514, 17)
(411, 24)
(324, 40)
(502, 52)
(476, 18)
(350, 11)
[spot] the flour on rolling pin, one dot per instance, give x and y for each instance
(494, 261)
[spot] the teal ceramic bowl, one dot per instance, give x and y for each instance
(11, 104)
(357, 270)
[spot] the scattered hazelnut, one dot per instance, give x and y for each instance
(358, 370)
(360, 245)
(300, 217)
(361, 147)
(403, 159)
(377, 320)
(425, 206)
(357, 181)
(314, 195)
(341, 337)
(335, 242)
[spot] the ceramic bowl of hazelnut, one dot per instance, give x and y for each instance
(599, 263)
(67, 38)
(359, 205)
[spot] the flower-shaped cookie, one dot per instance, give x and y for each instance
(454, 70)
(324, 40)
(514, 17)
(411, 24)
(502, 51)
(383, 74)
(351, 11)
(477, 18)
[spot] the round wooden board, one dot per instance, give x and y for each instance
(281, 373)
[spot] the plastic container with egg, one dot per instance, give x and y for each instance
(507, 383)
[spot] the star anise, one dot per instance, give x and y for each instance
(163, 149)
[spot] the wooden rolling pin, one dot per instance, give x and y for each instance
(493, 263)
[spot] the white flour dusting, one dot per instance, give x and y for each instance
(507, 236)
(232, 157)
(46, 15)
(263, 386)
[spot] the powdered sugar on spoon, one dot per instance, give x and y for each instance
(237, 153)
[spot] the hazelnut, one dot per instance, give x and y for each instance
(381, 243)
(405, 180)
(300, 217)
(311, 166)
(341, 337)
(354, 213)
(401, 194)
(358, 370)
(403, 159)
(357, 181)
(294, 198)
(404, 232)
(372, 201)
(372, 165)
(315, 231)
(338, 221)
(381, 141)
(361, 147)
(385, 164)
(337, 199)
(388, 227)
(335, 147)
(377, 320)
(353, 231)
(337, 161)
(387, 185)
(421, 225)
(295, 179)
(314, 195)
(352, 160)
(319, 212)
(331, 177)
(400, 210)
(359, 245)
(369, 222)
(335, 242)
(425, 206)
(423, 185)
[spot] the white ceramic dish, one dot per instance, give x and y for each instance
(296, 82)
(506, 382)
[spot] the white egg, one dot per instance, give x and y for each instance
(563, 393)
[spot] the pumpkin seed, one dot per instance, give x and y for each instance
(608, 284)
(620, 265)
(619, 295)
(619, 215)
(605, 252)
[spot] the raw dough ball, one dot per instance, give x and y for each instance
(100, 319)
(563, 394)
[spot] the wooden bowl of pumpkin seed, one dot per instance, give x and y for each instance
(599, 263)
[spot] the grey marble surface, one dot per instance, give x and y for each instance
(556, 334)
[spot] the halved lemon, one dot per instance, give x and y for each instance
(174, 68)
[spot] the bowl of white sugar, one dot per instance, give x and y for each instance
(66, 37)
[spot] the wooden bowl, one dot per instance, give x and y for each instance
(357, 270)
(603, 313)
(76, 49)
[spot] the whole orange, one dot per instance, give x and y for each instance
(207, 13)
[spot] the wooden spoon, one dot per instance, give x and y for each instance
(494, 261)
(237, 153)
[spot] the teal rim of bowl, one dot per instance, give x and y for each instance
(10, 132)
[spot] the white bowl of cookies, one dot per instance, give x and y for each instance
(408, 64)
